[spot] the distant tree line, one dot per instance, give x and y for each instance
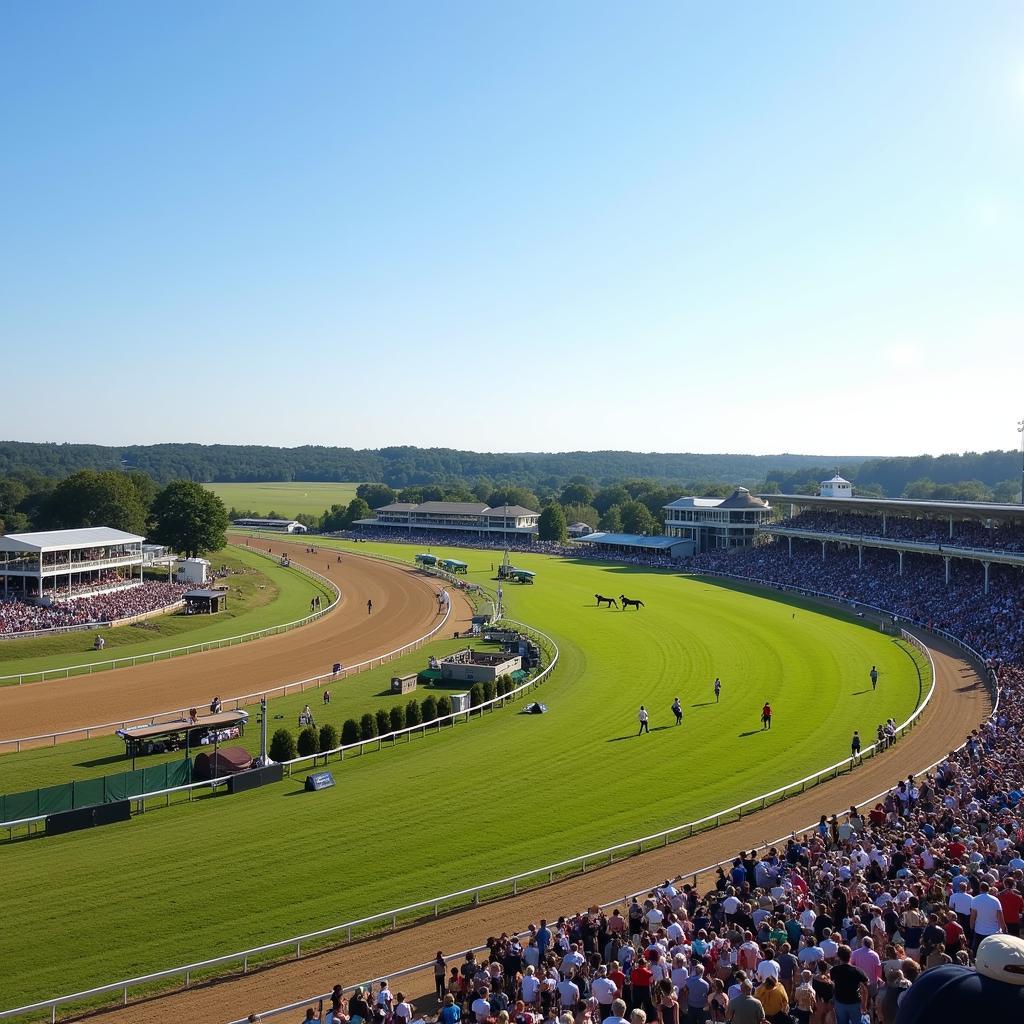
(182, 515)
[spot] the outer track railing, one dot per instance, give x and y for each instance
(87, 668)
(510, 884)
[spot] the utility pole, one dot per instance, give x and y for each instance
(1020, 430)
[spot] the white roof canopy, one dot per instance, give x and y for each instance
(64, 540)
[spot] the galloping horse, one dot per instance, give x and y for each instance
(628, 602)
(605, 600)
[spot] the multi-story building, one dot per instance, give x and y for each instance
(716, 523)
(467, 516)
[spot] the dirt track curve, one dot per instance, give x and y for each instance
(961, 701)
(404, 608)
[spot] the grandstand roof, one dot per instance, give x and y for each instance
(397, 506)
(742, 498)
(633, 540)
(462, 508)
(62, 540)
(908, 506)
(694, 503)
(510, 510)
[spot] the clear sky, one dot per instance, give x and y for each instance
(748, 227)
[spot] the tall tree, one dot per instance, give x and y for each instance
(551, 525)
(189, 518)
(636, 518)
(376, 495)
(576, 494)
(357, 509)
(88, 498)
(611, 521)
(581, 514)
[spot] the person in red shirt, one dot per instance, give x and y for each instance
(954, 933)
(641, 979)
(615, 974)
(766, 716)
(956, 849)
(1012, 904)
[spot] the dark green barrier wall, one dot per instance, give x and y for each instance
(90, 792)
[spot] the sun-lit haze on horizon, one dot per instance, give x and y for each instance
(658, 227)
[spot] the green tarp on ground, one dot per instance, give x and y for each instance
(90, 792)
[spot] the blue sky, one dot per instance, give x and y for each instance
(744, 227)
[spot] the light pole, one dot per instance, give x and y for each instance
(1020, 430)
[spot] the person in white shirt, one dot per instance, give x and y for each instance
(961, 900)
(730, 905)
(618, 1009)
(986, 915)
(641, 717)
(829, 947)
(572, 960)
(481, 1006)
(674, 931)
(807, 917)
(603, 988)
(568, 992)
(654, 918)
(403, 1011)
(530, 986)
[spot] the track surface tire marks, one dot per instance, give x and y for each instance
(404, 608)
(960, 703)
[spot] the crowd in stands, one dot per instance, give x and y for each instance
(966, 533)
(20, 616)
(874, 915)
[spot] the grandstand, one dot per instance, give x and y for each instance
(272, 525)
(465, 517)
(63, 563)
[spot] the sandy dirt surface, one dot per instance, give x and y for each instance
(961, 701)
(404, 608)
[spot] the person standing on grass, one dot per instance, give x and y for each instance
(855, 746)
(718, 688)
(766, 716)
(642, 716)
(677, 710)
(874, 676)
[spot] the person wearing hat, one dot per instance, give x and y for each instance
(950, 994)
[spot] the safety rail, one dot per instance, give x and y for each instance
(359, 746)
(88, 668)
(246, 698)
(472, 894)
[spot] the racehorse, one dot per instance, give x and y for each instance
(628, 602)
(605, 600)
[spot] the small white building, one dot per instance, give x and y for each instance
(837, 487)
(579, 529)
(193, 570)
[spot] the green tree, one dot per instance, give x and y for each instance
(350, 732)
(489, 690)
(413, 714)
(552, 524)
(582, 514)
(376, 495)
(636, 518)
(88, 498)
(282, 746)
(576, 494)
(383, 722)
(412, 495)
(189, 518)
(611, 521)
(609, 496)
(367, 727)
(333, 519)
(1005, 491)
(428, 709)
(328, 737)
(510, 494)
(397, 716)
(444, 706)
(308, 742)
(357, 509)
(310, 522)
(476, 695)
(145, 486)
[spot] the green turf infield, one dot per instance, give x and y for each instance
(261, 594)
(499, 795)
(289, 498)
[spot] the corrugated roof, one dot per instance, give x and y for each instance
(633, 540)
(462, 508)
(61, 539)
(908, 506)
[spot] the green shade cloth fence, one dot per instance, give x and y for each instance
(110, 788)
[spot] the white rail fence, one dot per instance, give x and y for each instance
(87, 668)
(693, 875)
(283, 689)
(497, 887)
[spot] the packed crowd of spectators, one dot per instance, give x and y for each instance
(848, 922)
(966, 533)
(21, 616)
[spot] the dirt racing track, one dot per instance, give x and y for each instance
(960, 703)
(404, 609)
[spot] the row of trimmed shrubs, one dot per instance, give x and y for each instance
(286, 747)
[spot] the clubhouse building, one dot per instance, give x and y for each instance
(454, 516)
(714, 524)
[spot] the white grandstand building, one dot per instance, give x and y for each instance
(714, 524)
(463, 516)
(59, 563)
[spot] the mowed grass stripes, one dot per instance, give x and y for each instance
(500, 795)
